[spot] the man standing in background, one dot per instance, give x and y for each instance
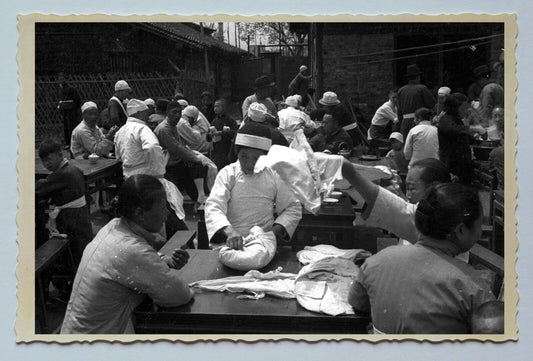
(69, 107)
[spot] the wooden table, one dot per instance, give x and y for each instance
(98, 176)
(223, 313)
(333, 224)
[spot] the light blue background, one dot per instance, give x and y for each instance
(520, 350)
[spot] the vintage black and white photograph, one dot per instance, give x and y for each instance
(336, 179)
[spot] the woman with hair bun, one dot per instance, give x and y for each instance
(423, 289)
(121, 266)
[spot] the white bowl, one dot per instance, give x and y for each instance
(336, 194)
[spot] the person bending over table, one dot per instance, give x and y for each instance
(241, 199)
(121, 266)
(423, 289)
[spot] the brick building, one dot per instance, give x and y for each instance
(363, 61)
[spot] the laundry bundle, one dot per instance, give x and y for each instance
(258, 250)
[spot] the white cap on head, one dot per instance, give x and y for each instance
(191, 111)
(397, 136)
(303, 68)
(121, 85)
(135, 106)
(88, 105)
(149, 102)
(291, 101)
(444, 90)
(183, 103)
(257, 112)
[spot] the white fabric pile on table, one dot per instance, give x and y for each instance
(312, 254)
(274, 283)
(323, 286)
(258, 250)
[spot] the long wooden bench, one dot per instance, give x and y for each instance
(45, 256)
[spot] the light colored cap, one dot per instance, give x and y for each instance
(135, 106)
(88, 105)
(397, 136)
(253, 141)
(298, 97)
(291, 101)
(257, 112)
(149, 102)
(329, 98)
(444, 90)
(303, 67)
(191, 111)
(121, 85)
(183, 103)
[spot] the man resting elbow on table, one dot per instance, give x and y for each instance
(385, 209)
(241, 199)
(121, 266)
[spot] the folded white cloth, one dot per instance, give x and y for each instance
(258, 250)
(274, 283)
(323, 286)
(311, 254)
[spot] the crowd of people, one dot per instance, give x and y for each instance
(170, 146)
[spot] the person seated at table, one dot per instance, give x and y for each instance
(194, 130)
(121, 266)
(395, 156)
(64, 188)
(138, 148)
(87, 138)
(184, 168)
(331, 138)
(489, 318)
(160, 111)
(423, 288)
(385, 209)
(241, 198)
(423, 139)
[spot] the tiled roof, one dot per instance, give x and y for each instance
(185, 33)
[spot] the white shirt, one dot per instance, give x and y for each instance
(422, 142)
(385, 114)
(138, 149)
(195, 136)
(244, 201)
(291, 119)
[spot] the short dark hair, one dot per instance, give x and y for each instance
(423, 113)
(432, 171)
(49, 146)
(444, 207)
(140, 190)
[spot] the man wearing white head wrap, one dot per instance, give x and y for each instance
(193, 130)
(242, 199)
(138, 148)
(88, 138)
(292, 118)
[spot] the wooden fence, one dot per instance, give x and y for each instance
(99, 88)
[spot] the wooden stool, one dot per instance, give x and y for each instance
(44, 258)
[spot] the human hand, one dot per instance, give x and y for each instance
(179, 258)
(234, 239)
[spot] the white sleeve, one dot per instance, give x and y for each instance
(393, 214)
(408, 149)
(216, 206)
